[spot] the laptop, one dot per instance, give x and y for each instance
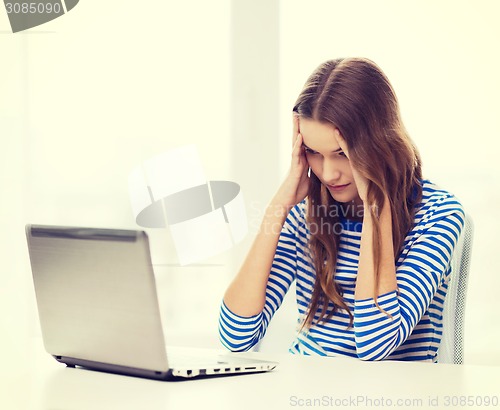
(98, 306)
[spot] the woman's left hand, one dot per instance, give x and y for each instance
(360, 181)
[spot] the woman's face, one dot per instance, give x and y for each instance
(327, 160)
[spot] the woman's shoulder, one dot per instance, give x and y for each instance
(437, 203)
(433, 193)
(297, 216)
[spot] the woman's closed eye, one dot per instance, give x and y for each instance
(309, 150)
(312, 152)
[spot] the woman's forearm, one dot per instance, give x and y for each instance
(246, 295)
(365, 282)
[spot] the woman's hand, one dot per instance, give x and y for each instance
(296, 185)
(360, 181)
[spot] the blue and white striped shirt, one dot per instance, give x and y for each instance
(422, 272)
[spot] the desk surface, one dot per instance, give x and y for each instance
(298, 382)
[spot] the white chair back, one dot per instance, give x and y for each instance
(451, 348)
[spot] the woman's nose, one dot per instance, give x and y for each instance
(331, 172)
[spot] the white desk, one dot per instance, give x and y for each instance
(332, 382)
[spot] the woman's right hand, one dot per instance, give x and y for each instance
(296, 185)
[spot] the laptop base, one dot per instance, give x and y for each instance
(169, 375)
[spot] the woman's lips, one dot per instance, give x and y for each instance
(337, 188)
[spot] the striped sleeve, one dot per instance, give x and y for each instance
(419, 274)
(239, 333)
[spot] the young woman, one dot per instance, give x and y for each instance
(366, 239)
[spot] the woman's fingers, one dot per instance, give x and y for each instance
(295, 187)
(297, 142)
(297, 151)
(296, 128)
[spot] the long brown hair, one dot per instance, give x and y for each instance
(355, 96)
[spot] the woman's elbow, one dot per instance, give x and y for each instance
(238, 345)
(369, 358)
(374, 354)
